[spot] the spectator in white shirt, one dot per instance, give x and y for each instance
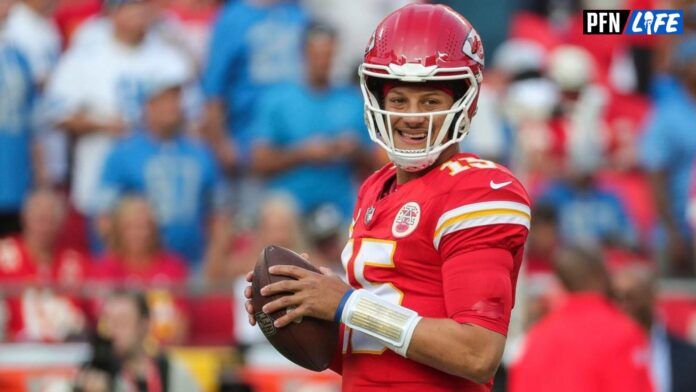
(30, 29)
(96, 93)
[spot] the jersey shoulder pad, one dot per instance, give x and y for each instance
(482, 197)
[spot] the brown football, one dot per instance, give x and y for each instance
(309, 342)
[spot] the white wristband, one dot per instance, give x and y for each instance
(392, 324)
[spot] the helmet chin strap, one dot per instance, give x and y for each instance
(412, 165)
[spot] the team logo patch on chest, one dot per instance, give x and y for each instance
(406, 220)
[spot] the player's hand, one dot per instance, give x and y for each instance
(314, 294)
(248, 290)
(248, 293)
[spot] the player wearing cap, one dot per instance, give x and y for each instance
(437, 236)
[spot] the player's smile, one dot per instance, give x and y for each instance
(410, 131)
(415, 138)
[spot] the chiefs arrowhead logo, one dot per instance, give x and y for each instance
(370, 44)
(473, 47)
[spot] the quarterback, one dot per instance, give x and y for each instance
(437, 236)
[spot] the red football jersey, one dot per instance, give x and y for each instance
(399, 249)
(36, 313)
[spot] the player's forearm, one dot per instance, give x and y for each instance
(459, 349)
(464, 350)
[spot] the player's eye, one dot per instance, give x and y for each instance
(433, 102)
(396, 100)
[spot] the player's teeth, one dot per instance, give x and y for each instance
(417, 135)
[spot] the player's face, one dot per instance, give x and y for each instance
(411, 132)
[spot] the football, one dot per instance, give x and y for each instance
(308, 342)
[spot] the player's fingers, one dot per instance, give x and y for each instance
(284, 286)
(326, 271)
(250, 312)
(292, 314)
(290, 270)
(250, 276)
(247, 292)
(284, 302)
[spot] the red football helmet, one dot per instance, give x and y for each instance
(420, 43)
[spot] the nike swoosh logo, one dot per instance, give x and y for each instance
(495, 185)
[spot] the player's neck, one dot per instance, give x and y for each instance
(403, 176)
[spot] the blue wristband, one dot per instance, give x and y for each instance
(339, 309)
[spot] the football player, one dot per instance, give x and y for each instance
(437, 236)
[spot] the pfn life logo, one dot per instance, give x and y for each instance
(634, 22)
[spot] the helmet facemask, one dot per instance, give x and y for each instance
(453, 129)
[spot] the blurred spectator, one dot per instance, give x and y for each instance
(96, 92)
(527, 102)
(673, 360)
(513, 104)
(278, 224)
(192, 20)
(580, 116)
(543, 240)
(137, 257)
(31, 30)
(31, 264)
(254, 44)
(326, 235)
(19, 152)
(70, 14)
(122, 358)
(586, 344)
(668, 151)
(354, 21)
(588, 215)
(176, 174)
(311, 135)
(138, 260)
(234, 254)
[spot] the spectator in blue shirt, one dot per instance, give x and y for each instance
(17, 145)
(311, 135)
(588, 215)
(176, 174)
(254, 44)
(668, 150)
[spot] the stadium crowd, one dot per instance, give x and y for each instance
(159, 145)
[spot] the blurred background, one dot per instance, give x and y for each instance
(150, 149)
